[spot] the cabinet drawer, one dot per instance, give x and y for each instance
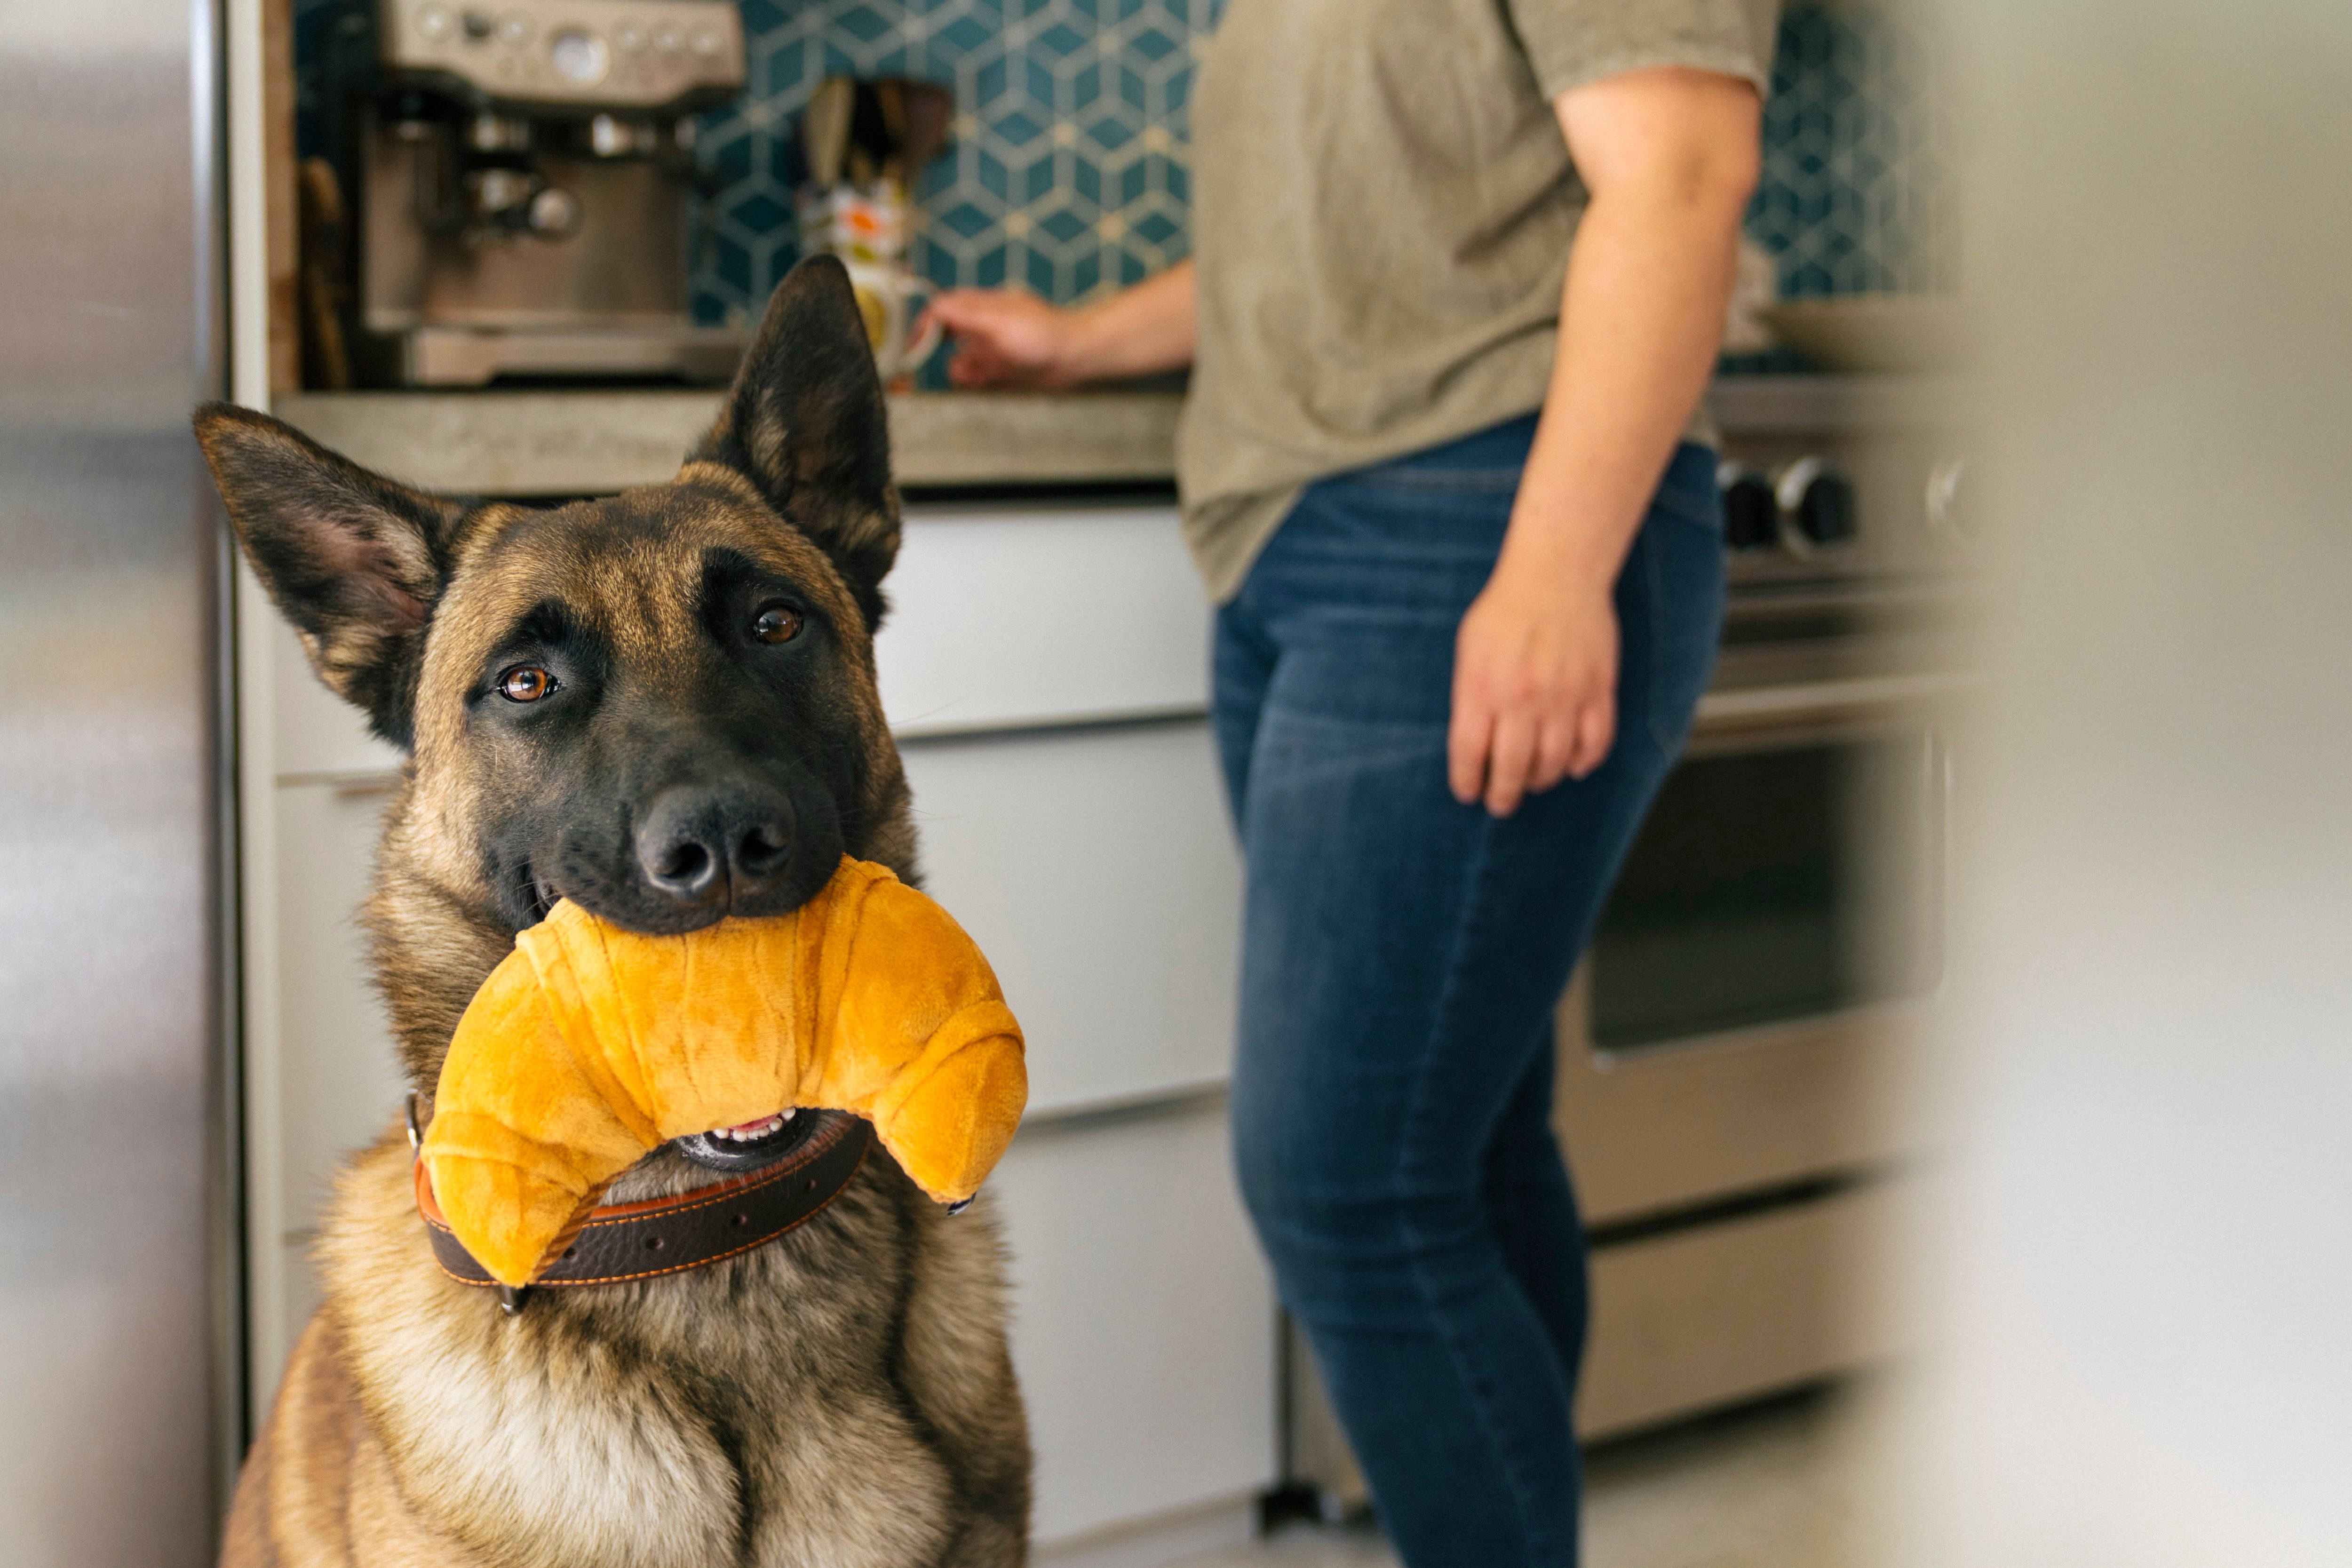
(1096, 871)
(1142, 1319)
(1045, 614)
(1647, 1132)
(312, 731)
(1706, 1317)
(338, 1084)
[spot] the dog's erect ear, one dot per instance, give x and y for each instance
(805, 422)
(352, 559)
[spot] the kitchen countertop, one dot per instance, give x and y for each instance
(533, 443)
(592, 443)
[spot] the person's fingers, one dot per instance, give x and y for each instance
(1596, 727)
(1508, 761)
(977, 317)
(978, 362)
(971, 364)
(957, 307)
(1466, 736)
(1555, 751)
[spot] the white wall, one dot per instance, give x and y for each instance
(2147, 1257)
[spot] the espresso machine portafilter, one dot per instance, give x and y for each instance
(520, 178)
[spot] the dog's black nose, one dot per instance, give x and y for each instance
(707, 845)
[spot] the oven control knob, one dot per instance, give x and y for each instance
(1751, 512)
(1817, 503)
(1945, 514)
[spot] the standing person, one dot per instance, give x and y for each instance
(1444, 472)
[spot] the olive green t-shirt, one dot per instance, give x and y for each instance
(1382, 206)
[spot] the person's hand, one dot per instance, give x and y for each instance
(1006, 338)
(1535, 687)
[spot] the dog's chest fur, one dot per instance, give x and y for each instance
(781, 1409)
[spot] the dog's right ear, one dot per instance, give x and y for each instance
(352, 559)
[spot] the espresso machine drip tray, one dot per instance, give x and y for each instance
(466, 356)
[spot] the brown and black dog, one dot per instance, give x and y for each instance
(663, 706)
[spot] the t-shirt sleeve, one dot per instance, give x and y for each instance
(1572, 42)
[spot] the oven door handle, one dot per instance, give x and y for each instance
(1810, 702)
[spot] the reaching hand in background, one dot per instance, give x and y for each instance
(1006, 338)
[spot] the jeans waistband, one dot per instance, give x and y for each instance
(1491, 459)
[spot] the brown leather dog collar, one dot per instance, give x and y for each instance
(619, 1242)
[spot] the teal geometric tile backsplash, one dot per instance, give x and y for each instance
(1069, 172)
(1857, 193)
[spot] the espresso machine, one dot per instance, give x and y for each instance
(511, 189)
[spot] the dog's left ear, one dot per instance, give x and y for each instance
(806, 423)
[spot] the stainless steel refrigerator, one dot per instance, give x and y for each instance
(117, 1241)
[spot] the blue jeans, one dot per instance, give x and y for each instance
(1403, 954)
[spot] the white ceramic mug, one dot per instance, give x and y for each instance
(890, 297)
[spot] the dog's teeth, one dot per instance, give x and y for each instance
(751, 1132)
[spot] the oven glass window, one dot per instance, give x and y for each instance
(1774, 885)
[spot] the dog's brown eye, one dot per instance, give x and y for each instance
(525, 683)
(776, 623)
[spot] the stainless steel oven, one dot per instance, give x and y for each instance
(1733, 1047)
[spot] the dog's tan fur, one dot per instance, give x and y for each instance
(841, 1397)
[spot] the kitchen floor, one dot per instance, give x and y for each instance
(1788, 1483)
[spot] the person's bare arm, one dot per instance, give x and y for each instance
(1005, 338)
(1670, 158)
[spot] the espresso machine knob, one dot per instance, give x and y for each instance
(580, 57)
(1817, 503)
(500, 196)
(1751, 512)
(554, 214)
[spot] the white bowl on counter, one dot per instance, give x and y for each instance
(1875, 332)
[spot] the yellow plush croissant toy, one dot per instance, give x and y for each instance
(591, 1045)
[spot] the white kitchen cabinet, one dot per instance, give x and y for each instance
(1095, 870)
(1041, 614)
(1143, 1317)
(317, 733)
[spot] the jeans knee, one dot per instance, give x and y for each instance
(1345, 1240)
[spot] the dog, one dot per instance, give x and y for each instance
(661, 705)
